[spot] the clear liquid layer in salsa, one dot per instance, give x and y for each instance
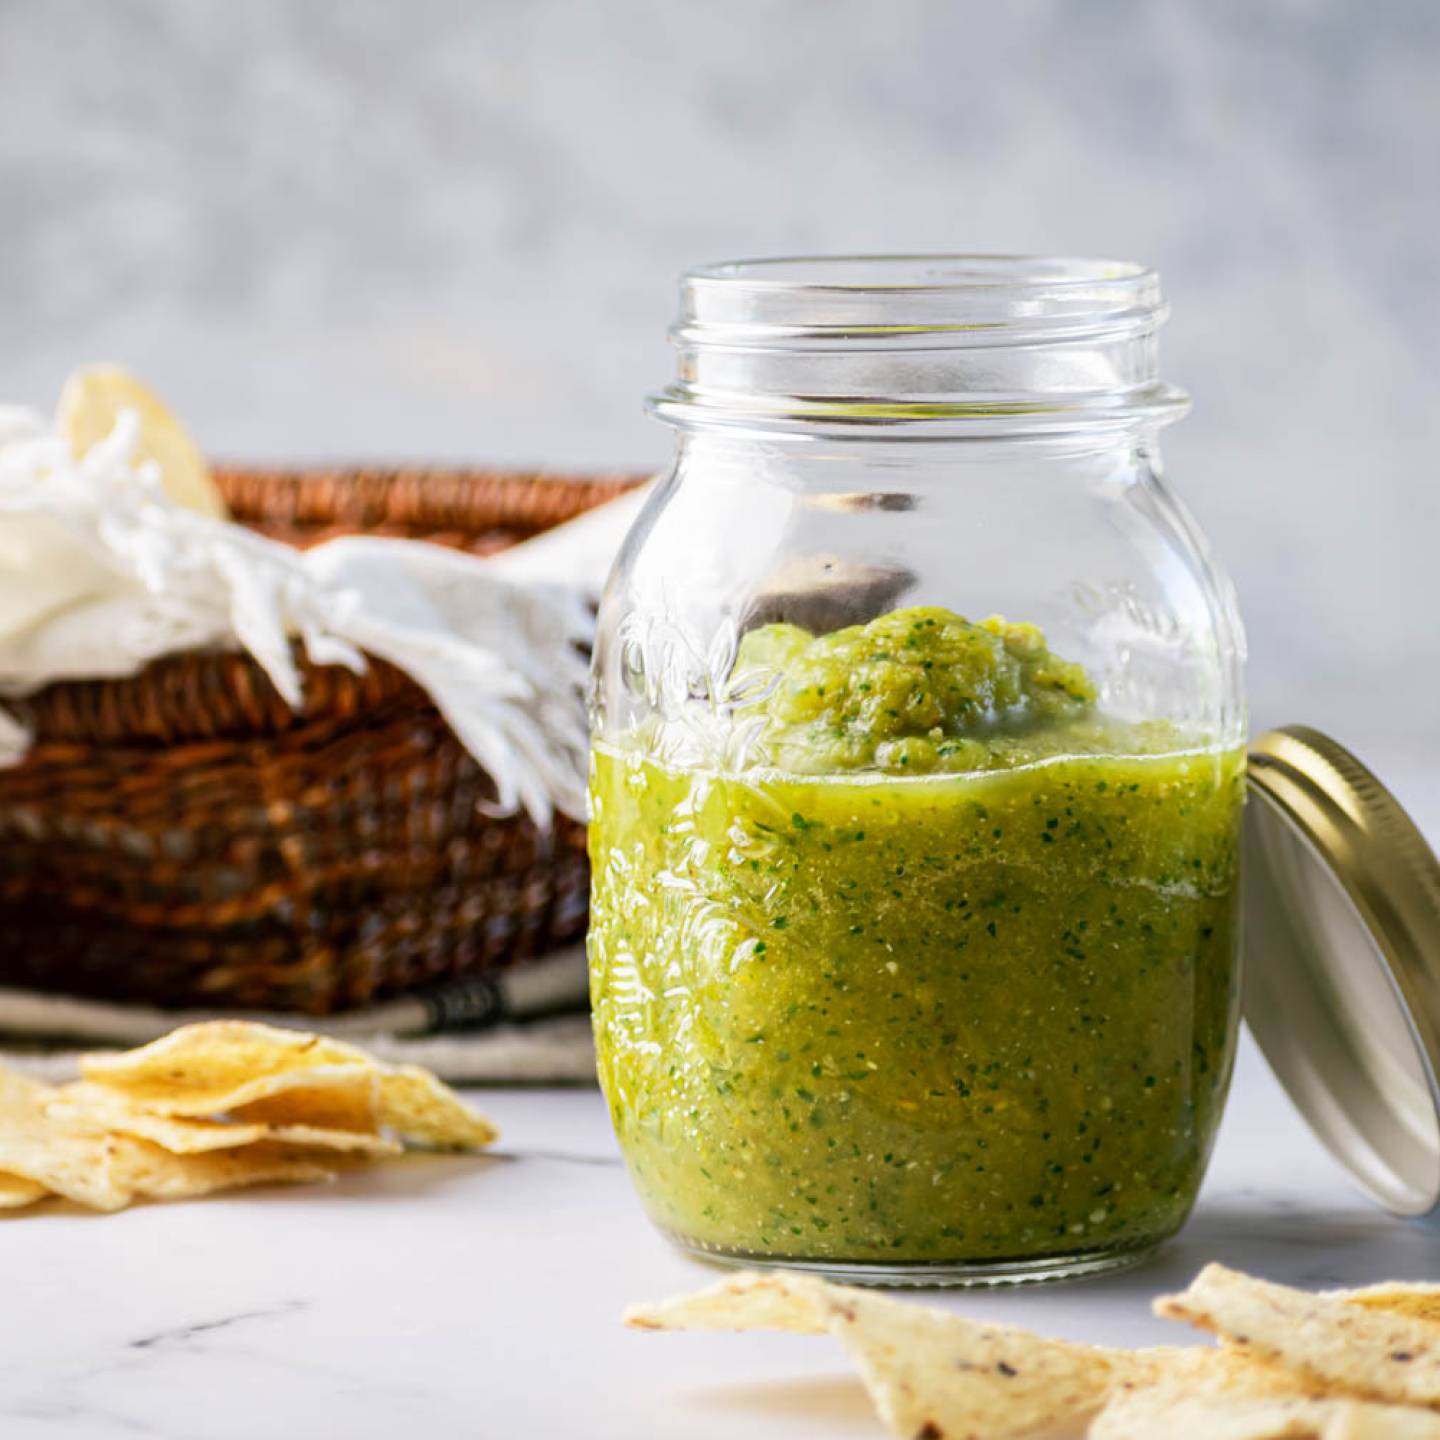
(943, 972)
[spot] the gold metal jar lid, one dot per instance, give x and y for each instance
(1342, 961)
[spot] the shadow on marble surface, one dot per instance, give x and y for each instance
(1284, 1241)
(416, 1172)
(831, 1404)
(557, 1157)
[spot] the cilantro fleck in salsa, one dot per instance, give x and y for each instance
(941, 969)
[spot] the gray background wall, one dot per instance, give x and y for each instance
(443, 230)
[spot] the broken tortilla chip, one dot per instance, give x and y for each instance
(1366, 1352)
(929, 1373)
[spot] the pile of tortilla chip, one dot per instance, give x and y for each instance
(1351, 1365)
(215, 1106)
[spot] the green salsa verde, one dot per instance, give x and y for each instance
(943, 971)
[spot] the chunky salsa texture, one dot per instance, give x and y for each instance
(913, 691)
(942, 972)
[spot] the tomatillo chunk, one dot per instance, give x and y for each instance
(915, 689)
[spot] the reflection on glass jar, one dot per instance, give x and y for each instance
(916, 780)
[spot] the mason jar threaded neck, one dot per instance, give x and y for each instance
(922, 345)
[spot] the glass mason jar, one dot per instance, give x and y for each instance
(913, 934)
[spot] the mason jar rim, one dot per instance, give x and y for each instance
(932, 270)
(992, 299)
(998, 343)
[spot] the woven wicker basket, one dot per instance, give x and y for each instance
(182, 838)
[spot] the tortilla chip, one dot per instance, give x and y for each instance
(74, 1155)
(1363, 1351)
(346, 1105)
(406, 1099)
(214, 1106)
(750, 1300)
(200, 1102)
(930, 1374)
(211, 1067)
(72, 1159)
(352, 1142)
(91, 403)
(1168, 1413)
(1211, 1370)
(229, 1067)
(68, 1157)
(413, 1103)
(114, 1111)
(157, 1174)
(1420, 1302)
(16, 1191)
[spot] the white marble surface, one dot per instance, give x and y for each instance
(481, 1298)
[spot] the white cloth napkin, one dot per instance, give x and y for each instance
(101, 572)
